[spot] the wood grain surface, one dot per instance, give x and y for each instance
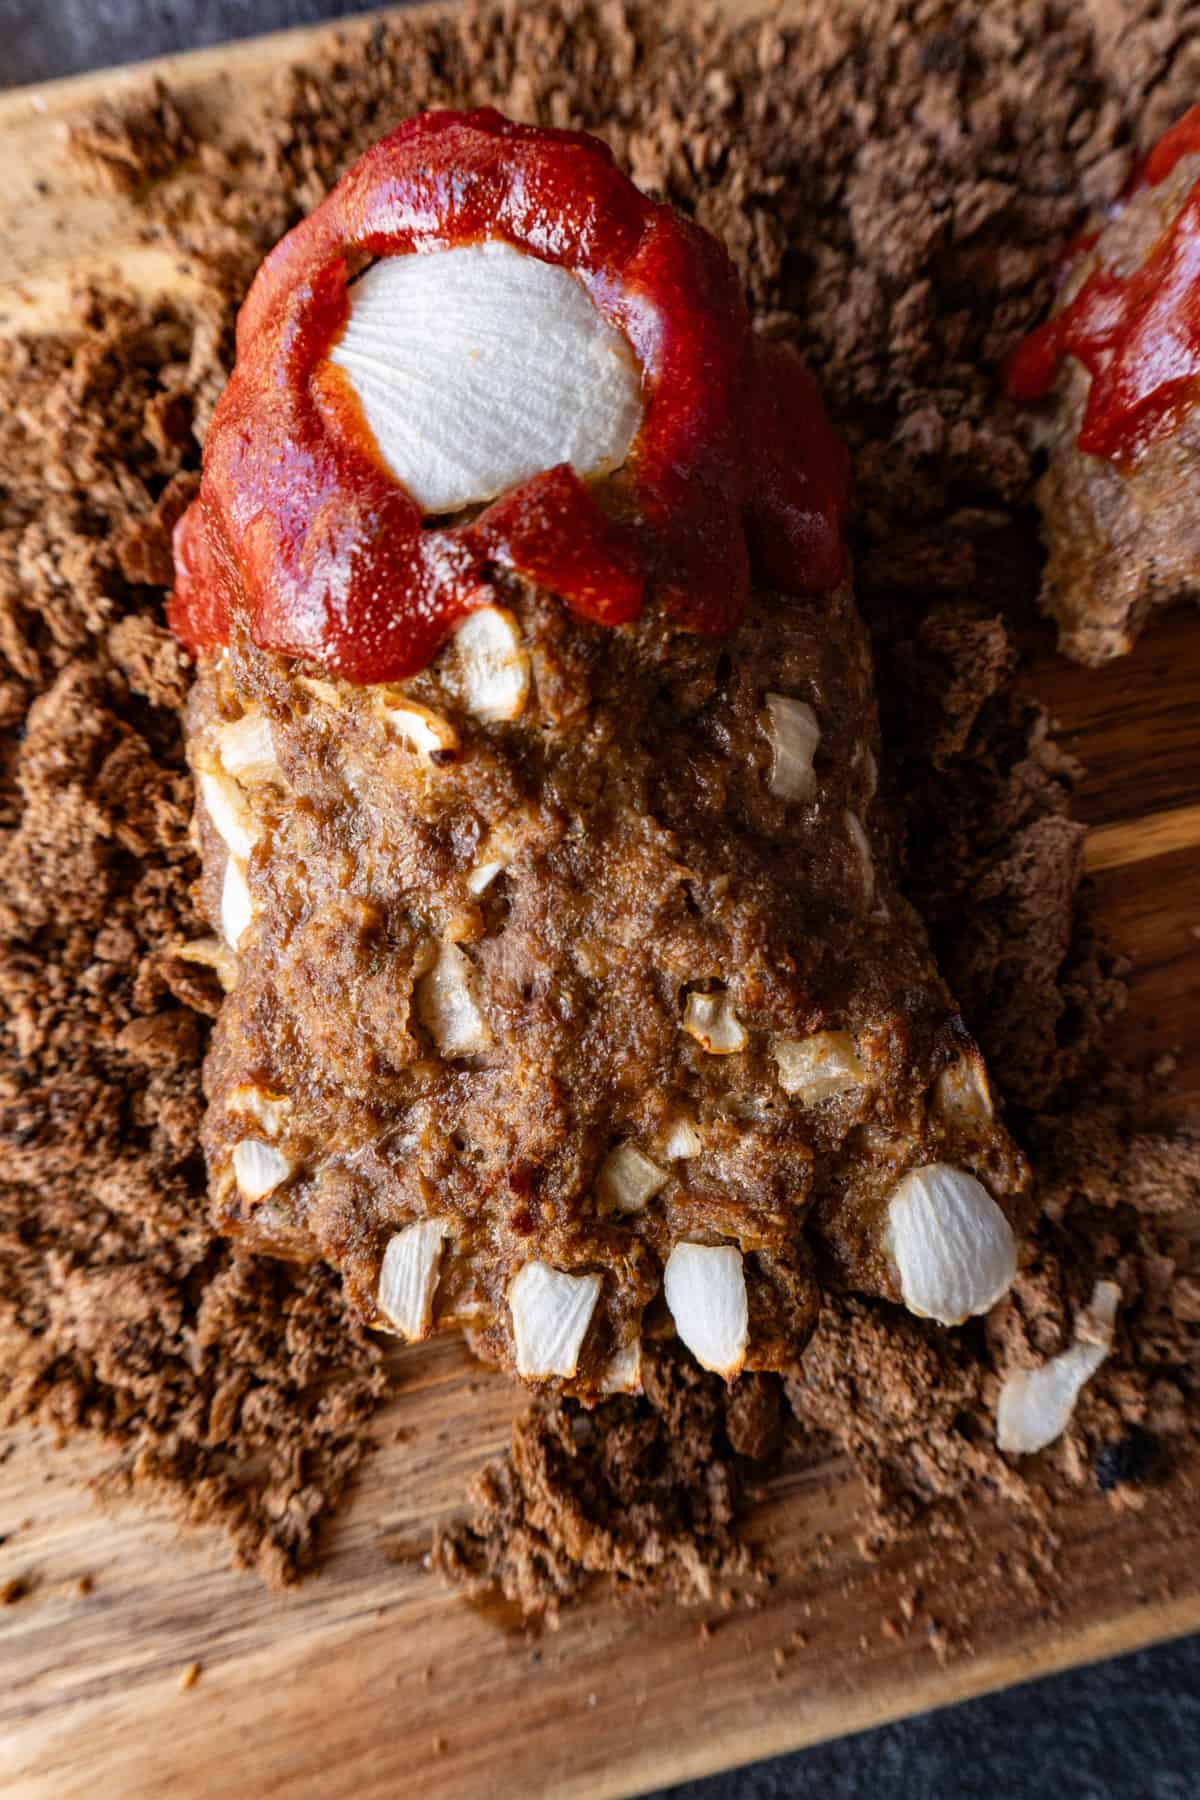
(373, 1680)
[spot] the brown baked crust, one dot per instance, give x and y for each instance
(1122, 541)
(649, 858)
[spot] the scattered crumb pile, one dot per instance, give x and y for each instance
(117, 149)
(647, 1491)
(237, 1391)
(891, 187)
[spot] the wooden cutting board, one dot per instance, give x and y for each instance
(372, 1680)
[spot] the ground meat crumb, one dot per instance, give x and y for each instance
(119, 148)
(643, 1492)
(893, 201)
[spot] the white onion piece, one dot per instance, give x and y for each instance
(816, 1068)
(270, 1110)
(480, 366)
(495, 854)
(705, 1288)
(246, 748)
(237, 902)
(231, 818)
(447, 1006)
(324, 691)
(794, 733)
(962, 1091)
(628, 1180)
(421, 730)
(623, 1375)
(494, 666)
(550, 1313)
(259, 1168)
(711, 1020)
(1035, 1405)
(682, 1141)
(409, 1277)
(482, 876)
(953, 1248)
(864, 758)
(212, 953)
(862, 849)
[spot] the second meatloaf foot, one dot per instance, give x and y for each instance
(1121, 518)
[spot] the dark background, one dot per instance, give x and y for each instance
(1129, 1728)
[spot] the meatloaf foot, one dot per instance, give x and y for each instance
(570, 991)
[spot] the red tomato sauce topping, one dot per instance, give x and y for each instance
(301, 531)
(1180, 140)
(1137, 335)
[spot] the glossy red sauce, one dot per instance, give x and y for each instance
(301, 530)
(1137, 335)
(1182, 139)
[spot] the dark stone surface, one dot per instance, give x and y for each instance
(40, 39)
(1129, 1728)
(1126, 1730)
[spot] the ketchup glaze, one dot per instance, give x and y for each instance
(302, 532)
(1138, 335)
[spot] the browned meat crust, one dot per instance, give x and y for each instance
(1121, 541)
(646, 859)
